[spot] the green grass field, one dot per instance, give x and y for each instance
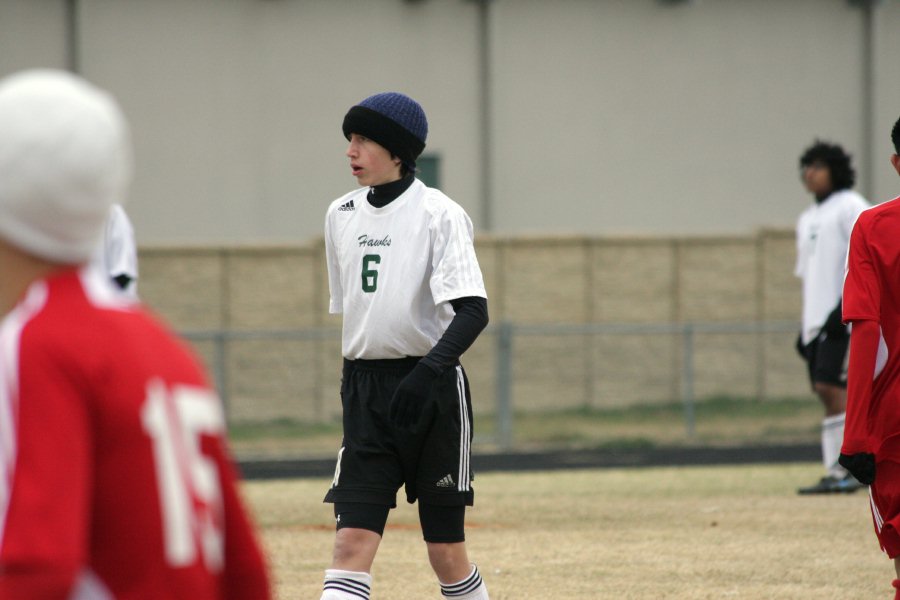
(679, 533)
(718, 422)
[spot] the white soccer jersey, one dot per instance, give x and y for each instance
(392, 270)
(823, 236)
(117, 252)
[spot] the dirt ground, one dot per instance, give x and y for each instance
(676, 533)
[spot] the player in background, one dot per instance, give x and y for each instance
(823, 233)
(116, 255)
(115, 481)
(402, 270)
(871, 449)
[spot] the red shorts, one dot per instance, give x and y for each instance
(884, 496)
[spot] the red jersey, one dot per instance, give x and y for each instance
(872, 292)
(115, 480)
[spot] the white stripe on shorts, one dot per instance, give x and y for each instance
(879, 521)
(337, 468)
(464, 433)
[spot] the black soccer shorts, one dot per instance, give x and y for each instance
(432, 460)
(826, 360)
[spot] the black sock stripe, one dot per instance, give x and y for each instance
(469, 584)
(348, 586)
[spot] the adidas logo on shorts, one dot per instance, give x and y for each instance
(347, 206)
(446, 482)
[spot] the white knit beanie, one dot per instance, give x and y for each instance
(65, 158)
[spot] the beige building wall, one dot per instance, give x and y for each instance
(32, 34)
(667, 117)
(597, 321)
(603, 117)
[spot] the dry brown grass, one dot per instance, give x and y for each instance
(677, 533)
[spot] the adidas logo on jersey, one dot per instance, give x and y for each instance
(347, 206)
(446, 482)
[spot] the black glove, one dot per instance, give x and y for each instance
(801, 349)
(411, 395)
(861, 466)
(834, 327)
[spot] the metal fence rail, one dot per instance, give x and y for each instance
(507, 332)
(507, 339)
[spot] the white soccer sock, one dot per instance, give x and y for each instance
(832, 439)
(346, 585)
(470, 588)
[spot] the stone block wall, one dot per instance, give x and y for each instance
(595, 321)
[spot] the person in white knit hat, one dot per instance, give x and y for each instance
(106, 490)
(64, 160)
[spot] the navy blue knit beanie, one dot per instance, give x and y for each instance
(394, 120)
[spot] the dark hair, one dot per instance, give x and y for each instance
(843, 176)
(895, 136)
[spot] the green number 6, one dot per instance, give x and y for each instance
(369, 274)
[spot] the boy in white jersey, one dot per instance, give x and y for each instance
(823, 235)
(402, 270)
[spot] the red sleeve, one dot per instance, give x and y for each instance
(246, 575)
(44, 541)
(862, 289)
(864, 340)
(861, 307)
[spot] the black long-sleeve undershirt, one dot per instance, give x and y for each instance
(470, 319)
(382, 195)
